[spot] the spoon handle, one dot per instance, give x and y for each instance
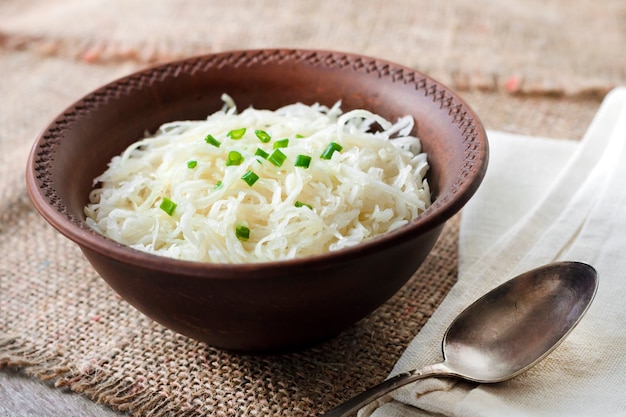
(377, 391)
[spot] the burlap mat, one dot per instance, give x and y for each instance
(61, 322)
(531, 46)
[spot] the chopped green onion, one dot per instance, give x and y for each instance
(303, 161)
(299, 136)
(234, 158)
(168, 206)
(250, 178)
(277, 158)
(262, 135)
(283, 143)
(212, 141)
(330, 149)
(192, 164)
(236, 133)
(301, 204)
(217, 185)
(260, 152)
(242, 232)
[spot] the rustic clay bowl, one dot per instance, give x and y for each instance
(275, 305)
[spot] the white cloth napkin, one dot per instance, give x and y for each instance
(542, 200)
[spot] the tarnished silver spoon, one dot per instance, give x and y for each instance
(505, 332)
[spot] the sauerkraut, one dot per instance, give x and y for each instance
(261, 185)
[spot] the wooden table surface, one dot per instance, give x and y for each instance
(25, 396)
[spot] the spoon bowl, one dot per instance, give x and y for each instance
(505, 332)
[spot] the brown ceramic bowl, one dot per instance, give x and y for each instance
(274, 305)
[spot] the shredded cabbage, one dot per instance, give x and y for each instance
(371, 186)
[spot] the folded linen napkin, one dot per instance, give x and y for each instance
(542, 200)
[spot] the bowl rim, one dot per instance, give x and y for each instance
(436, 215)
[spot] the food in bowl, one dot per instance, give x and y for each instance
(262, 185)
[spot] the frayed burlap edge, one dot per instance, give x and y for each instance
(38, 362)
(100, 386)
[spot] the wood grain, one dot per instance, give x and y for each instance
(25, 396)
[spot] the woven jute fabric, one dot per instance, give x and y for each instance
(527, 67)
(532, 46)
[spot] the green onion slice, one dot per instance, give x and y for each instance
(301, 204)
(262, 135)
(283, 143)
(330, 149)
(212, 141)
(250, 178)
(168, 206)
(260, 152)
(236, 133)
(242, 232)
(299, 136)
(192, 164)
(234, 158)
(277, 158)
(303, 161)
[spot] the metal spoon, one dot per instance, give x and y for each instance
(505, 332)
